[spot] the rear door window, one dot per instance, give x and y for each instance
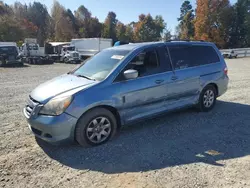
(180, 56)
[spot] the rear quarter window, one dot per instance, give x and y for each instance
(185, 56)
(203, 55)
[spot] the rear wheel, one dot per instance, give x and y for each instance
(207, 99)
(95, 127)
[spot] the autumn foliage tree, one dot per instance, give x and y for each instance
(209, 22)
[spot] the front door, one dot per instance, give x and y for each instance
(145, 96)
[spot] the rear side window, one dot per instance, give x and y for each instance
(191, 56)
(203, 55)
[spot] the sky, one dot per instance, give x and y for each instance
(126, 10)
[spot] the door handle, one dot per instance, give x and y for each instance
(159, 81)
(174, 78)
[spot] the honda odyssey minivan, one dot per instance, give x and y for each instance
(124, 84)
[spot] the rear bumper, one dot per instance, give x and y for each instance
(53, 129)
(223, 85)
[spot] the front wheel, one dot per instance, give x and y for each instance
(207, 99)
(95, 127)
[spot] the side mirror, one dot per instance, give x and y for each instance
(130, 74)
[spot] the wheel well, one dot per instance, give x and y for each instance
(216, 88)
(113, 111)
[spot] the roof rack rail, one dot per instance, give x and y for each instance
(185, 41)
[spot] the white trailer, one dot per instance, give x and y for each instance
(90, 46)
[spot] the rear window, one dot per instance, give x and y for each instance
(8, 50)
(190, 56)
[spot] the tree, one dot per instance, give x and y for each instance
(149, 29)
(240, 31)
(95, 28)
(83, 16)
(37, 14)
(208, 23)
(10, 29)
(186, 20)
(202, 27)
(167, 35)
(63, 23)
(109, 30)
(121, 31)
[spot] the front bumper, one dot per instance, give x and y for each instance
(12, 62)
(74, 60)
(53, 129)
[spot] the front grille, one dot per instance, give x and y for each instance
(32, 104)
(75, 55)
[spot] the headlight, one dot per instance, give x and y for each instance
(56, 106)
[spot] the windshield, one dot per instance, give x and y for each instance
(71, 48)
(99, 66)
(8, 50)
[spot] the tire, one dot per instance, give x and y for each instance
(65, 60)
(206, 104)
(87, 127)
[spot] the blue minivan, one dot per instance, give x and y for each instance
(124, 84)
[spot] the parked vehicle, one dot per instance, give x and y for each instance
(230, 55)
(54, 49)
(70, 55)
(32, 53)
(87, 47)
(124, 84)
(9, 55)
(118, 43)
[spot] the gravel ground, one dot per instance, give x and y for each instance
(183, 149)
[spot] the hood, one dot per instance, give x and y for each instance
(59, 85)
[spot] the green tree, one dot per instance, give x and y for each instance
(186, 19)
(121, 31)
(240, 31)
(63, 23)
(83, 16)
(109, 30)
(95, 28)
(167, 35)
(37, 14)
(149, 29)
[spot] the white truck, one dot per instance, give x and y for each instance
(80, 49)
(90, 46)
(70, 55)
(230, 54)
(32, 53)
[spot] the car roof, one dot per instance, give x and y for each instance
(133, 46)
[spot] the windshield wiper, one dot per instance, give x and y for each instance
(82, 76)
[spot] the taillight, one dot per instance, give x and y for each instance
(226, 71)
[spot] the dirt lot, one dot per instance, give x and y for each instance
(185, 149)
